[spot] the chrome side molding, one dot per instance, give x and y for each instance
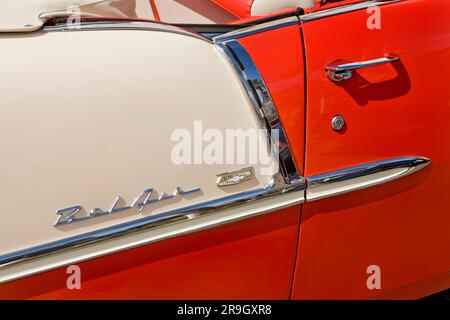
(317, 187)
(360, 177)
(163, 219)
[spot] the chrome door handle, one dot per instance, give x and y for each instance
(338, 72)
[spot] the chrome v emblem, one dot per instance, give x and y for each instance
(77, 213)
(235, 177)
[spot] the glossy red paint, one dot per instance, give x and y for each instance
(394, 110)
(238, 8)
(279, 57)
(250, 259)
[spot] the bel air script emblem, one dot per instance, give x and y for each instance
(77, 213)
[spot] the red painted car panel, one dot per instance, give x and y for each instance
(239, 8)
(390, 111)
(251, 259)
(279, 57)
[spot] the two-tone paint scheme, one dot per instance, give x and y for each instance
(88, 112)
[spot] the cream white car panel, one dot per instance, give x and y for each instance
(98, 124)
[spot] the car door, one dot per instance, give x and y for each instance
(391, 240)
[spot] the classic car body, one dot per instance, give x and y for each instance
(352, 122)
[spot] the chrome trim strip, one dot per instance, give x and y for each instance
(344, 9)
(263, 104)
(166, 218)
(125, 25)
(360, 177)
(233, 35)
(133, 240)
(285, 182)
